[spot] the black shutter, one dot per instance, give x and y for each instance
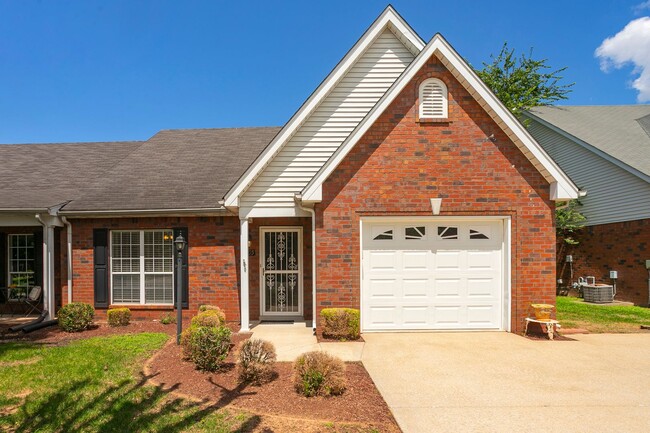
(38, 258)
(100, 267)
(186, 278)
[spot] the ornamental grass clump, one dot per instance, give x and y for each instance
(340, 323)
(76, 316)
(319, 374)
(256, 361)
(118, 316)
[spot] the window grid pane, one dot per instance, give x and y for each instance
(155, 249)
(21, 260)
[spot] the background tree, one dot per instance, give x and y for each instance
(521, 82)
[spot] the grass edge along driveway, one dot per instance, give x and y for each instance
(575, 313)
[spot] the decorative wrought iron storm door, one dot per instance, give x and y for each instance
(281, 271)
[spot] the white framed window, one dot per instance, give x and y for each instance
(142, 267)
(433, 99)
(21, 261)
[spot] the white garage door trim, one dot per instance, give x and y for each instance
(506, 224)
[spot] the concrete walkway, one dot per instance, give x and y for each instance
(293, 339)
(500, 382)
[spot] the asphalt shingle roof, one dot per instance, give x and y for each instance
(174, 169)
(622, 131)
(39, 176)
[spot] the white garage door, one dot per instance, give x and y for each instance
(432, 275)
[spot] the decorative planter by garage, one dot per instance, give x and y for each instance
(542, 311)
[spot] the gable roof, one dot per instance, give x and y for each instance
(389, 18)
(175, 170)
(618, 133)
(42, 176)
(562, 187)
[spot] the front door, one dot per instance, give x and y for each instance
(281, 271)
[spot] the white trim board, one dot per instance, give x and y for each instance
(389, 18)
(562, 188)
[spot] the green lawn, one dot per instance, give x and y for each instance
(95, 385)
(575, 313)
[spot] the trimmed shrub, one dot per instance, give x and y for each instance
(318, 373)
(256, 361)
(76, 316)
(340, 323)
(209, 346)
(167, 318)
(212, 317)
(118, 316)
(206, 307)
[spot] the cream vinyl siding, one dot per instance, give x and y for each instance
(329, 124)
(613, 194)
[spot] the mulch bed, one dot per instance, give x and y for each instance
(322, 339)
(55, 336)
(360, 403)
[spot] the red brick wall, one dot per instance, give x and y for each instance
(623, 247)
(399, 164)
(213, 261)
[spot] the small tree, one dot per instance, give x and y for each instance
(569, 220)
(522, 82)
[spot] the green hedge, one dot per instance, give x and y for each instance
(340, 323)
(118, 316)
(76, 316)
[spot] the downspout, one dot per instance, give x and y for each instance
(45, 272)
(311, 211)
(69, 234)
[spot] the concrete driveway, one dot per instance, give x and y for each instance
(500, 382)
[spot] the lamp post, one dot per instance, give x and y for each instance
(180, 244)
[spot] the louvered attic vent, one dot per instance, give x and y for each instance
(433, 99)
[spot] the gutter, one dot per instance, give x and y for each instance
(153, 212)
(298, 200)
(69, 234)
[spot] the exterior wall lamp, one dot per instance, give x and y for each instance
(180, 245)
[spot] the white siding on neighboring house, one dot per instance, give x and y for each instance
(327, 127)
(613, 193)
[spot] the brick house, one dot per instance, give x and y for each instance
(402, 187)
(605, 150)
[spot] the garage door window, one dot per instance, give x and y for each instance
(477, 234)
(382, 234)
(414, 232)
(447, 232)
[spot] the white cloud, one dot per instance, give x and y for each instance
(630, 46)
(640, 7)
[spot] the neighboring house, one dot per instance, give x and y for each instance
(402, 187)
(606, 151)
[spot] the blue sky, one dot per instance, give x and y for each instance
(123, 70)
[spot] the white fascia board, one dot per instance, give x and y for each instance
(388, 17)
(272, 212)
(439, 46)
(589, 147)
